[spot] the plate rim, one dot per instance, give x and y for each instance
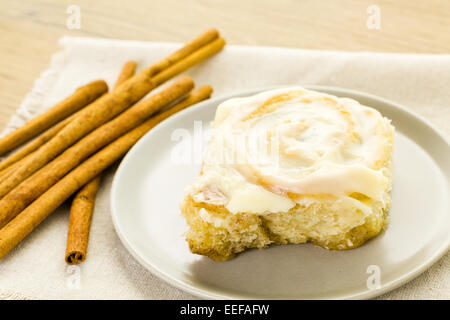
(202, 293)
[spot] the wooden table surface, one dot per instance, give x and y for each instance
(29, 29)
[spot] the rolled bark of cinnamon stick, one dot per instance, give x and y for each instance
(127, 72)
(10, 169)
(199, 55)
(192, 46)
(111, 104)
(34, 144)
(91, 117)
(80, 221)
(80, 98)
(18, 228)
(16, 200)
(83, 204)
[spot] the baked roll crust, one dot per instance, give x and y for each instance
(291, 166)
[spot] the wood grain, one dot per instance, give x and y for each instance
(29, 29)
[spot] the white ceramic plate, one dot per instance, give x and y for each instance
(149, 185)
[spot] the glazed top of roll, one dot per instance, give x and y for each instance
(270, 149)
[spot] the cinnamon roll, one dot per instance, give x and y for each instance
(291, 166)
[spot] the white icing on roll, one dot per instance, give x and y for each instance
(267, 147)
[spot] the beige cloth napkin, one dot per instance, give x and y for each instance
(36, 268)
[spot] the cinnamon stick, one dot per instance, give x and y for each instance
(113, 103)
(201, 54)
(10, 169)
(18, 228)
(34, 144)
(80, 98)
(80, 221)
(38, 183)
(192, 46)
(83, 203)
(126, 73)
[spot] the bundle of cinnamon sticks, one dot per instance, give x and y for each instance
(78, 138)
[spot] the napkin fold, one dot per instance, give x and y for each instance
(36, 268)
